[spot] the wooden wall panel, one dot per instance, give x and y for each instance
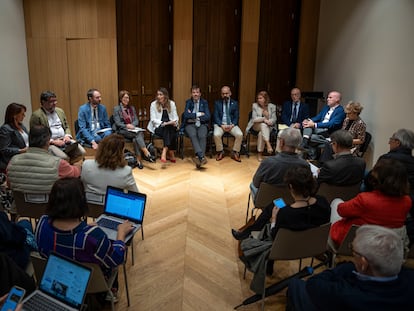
(92, 64)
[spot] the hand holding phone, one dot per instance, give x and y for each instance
(14, 297)
(279, 202)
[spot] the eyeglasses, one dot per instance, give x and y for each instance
(392, 139)
(354, 252)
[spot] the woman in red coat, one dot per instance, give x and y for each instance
(387, 205)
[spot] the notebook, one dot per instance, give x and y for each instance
(121, 205)
(62, 287)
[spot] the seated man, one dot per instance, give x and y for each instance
(294, 111)
(53, 117)
(273, 169)
(345, 169)
(195, 123)
(374, 281)
(226, 119)
(326, 122)
(93, 120)
(36, 170)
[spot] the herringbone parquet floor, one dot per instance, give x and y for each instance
(188, 259)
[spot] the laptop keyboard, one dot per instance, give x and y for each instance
(42, 303)
(109, 223)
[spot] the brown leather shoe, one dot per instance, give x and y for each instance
(219, 156)
(235, 156)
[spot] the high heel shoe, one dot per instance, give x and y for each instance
(139, 165)
(163, 160)
(239, 235)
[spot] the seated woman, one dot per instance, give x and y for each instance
(163, 122)
(126, 120)
(108, 168)
(354, 125)
(262, 121)
(64, 230)
(387, 205)
(308, 210)
(14, 137)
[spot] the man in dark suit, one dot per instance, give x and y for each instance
(196, 117)
(293, 111)
(226, 120)
(326, 122)
(345, 169)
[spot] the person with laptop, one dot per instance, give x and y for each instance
(64, 230)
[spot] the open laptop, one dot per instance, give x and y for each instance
(62, 287)
(121, 205)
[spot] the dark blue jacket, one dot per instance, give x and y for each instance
(335, 121)
(202, 107)
(287, 112)
(233, 110)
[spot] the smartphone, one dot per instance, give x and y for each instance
(14, 297)
(279, 203)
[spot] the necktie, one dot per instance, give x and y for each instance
(228, 112)
(95, 114)
(294, 112)
(197, 123)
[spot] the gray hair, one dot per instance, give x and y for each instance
(343, 138)
(382, 247)
(291, 136)
(405, 137)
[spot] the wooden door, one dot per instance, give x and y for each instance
(216, 46)
(144, 42)
(278, 41)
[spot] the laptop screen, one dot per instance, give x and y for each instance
(65, 280)
(128, 205)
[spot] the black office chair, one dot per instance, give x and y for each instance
(364, 147)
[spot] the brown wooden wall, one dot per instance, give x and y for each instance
(72, 47)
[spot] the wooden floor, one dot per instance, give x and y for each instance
(188, 259)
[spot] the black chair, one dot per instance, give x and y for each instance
(364, 147)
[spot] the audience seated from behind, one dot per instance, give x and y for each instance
(375, 280)
(14, 137)
(386, 205)
(273, 169)
(196, 122)
(108, 168)
(61, 143)
(126, 123)
(354, 125)
(226, 120)
(164, 122)
(294, 112)
(345, 169)
(16, 239)
(330, 119)
(93, 120)
(263, 121)
(307, 211)
(64, 230)
(36, 170)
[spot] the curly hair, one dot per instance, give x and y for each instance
(67, 199)
(110, 153)
(301, 180)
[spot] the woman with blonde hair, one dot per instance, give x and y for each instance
(109, 167)
(163, 122)
(262, 121)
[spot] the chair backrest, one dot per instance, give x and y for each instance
(331, 192)
(96, 203)
(364, 147)
(290, 245)
(39, 264)
(268, 192)
(32, 205)
(344, 248)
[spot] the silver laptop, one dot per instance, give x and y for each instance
(121, 205)
(62, 287)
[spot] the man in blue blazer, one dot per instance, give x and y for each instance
(196, 118)
(226, 119)
(326, 122)
(294, 111)
(93, 120)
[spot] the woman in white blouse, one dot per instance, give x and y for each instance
(262, 121)
(163, 122)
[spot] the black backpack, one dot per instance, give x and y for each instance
(130, 158)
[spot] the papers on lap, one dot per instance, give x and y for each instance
(136, 130)
(103, 130)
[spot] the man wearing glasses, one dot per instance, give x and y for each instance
(375, 280)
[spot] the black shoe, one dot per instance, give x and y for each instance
(150, 158)
(269, 268)
(240, 235)
(197, 161)
(139, 165)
